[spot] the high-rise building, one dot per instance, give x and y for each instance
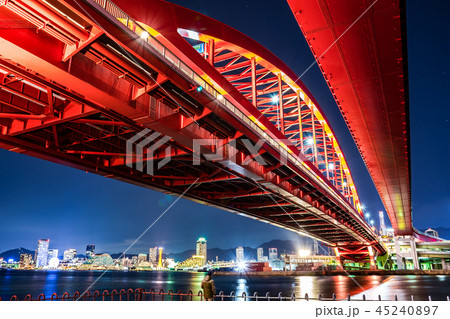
(153, 255)
(315, 247)
(260, 254)
(273, 254)
(90, 251)
(142, 258)
(42, 253)
(382, 224)
(25, 260)
(51, 254)
(160, 265)
(240, 254)
(69, 254)
(201, 249)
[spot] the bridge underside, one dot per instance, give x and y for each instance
(361, 49)
(79, 104)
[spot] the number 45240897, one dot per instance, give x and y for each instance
(407, 310)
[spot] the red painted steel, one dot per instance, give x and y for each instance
(365, 66)
(78, 104)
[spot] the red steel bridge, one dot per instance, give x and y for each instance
(80, 78)
(366, 69)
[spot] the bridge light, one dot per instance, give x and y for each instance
(371, 222)
(309, 141)
(144, 35)
(199, 88)
(367, 215)
(275, 99)
(220, 97)
(331, 166)
(304, 253)
(242, 266)
(344, 184)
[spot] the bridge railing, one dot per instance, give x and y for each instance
(121, 16)
(140, 294)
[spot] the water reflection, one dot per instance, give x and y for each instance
(22, 283)
(241, 287)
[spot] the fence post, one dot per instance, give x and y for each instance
(65, 295)
(121, 293)
(320, 297)
(103, 294)
(138, 294)
(293, 297)
(348, 297)
(244, 296)
(306, 297)
(364, 297)
(13, 298)
(161, 292)
(255, 295)
(232, 295)
(129, 291)
(41, 296)
(200, 294)
(180, 293)
(96, 294)
(27, 298)
(221, 295)
(429, 298)
(152, 291)
(54, 295)
(379, 297)
(113, 293)
(268, 296)
(412, 297)
(170, 293)
(395, 298)
(190, 293)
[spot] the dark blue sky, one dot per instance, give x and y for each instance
(39, 199)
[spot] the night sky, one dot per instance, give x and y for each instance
(39, 199)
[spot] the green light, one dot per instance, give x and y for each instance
(202, 239)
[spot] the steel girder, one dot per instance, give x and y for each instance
(81, 111)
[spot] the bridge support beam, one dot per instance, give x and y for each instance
(403, 254)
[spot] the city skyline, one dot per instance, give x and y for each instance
(112, 214)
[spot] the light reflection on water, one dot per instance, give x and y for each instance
(35, 282)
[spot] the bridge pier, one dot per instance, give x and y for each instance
(401, 255)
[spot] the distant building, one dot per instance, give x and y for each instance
(142, 258)
(25, 260)
(273, 254)
(69, 254)
(153, 256)
(42, 253)
(201, 249)
(382, 223)
(53, 263)
(432, 232)
(52, 253)
(240, 254)
(90, 251)
(103, 261)
(260, 254)
(160, 265)
(315, 247)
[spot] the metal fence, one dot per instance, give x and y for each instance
(140, 294)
